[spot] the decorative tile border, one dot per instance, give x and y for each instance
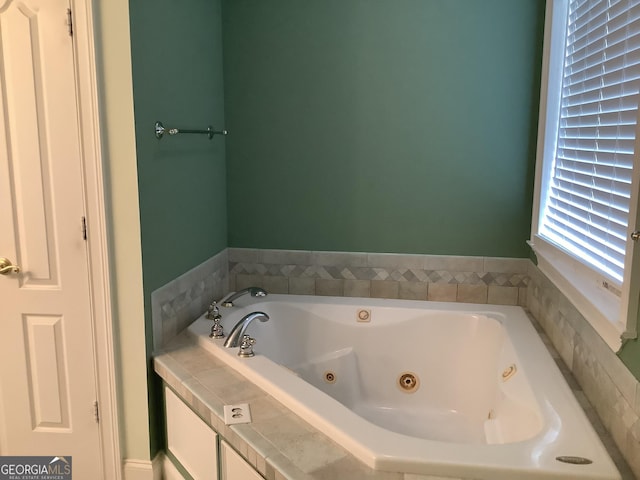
(178, 303)
(377, 273)
(416, 277)
(610, 387)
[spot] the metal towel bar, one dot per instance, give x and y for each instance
(161, 130)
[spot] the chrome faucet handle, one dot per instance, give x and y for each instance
(246, 347)
(216, 329)
(213, 312)
(227, 301)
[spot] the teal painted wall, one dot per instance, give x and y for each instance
(176, 52)
(177, 78)
(382, 126)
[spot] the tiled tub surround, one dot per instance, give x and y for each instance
(610, 387)
(500, 281)
(278, 443)
(607, 383)
(176, 304)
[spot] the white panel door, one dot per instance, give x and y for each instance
(47, 364)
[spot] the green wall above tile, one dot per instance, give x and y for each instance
(382, 126)
(177, 79)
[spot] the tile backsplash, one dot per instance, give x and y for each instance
(178, 303)
(381, 275)
(609, 386)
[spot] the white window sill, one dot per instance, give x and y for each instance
(585, 289)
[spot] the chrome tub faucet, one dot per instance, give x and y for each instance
(239, 329)
(253, 291)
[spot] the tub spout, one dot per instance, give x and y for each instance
(237, 332)
(253, 291)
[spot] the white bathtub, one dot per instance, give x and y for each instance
(482, 398)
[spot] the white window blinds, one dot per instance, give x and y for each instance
(587, 201)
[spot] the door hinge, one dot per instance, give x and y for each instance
(96, 412)
(70, 22)
(84, 228)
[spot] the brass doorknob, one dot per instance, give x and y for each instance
(635, 236)
(6, 267)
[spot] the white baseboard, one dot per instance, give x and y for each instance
(143, 469)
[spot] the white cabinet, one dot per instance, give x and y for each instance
(233, 466)
(190, 440)
(195, 445)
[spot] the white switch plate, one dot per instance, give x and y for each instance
(237, 413)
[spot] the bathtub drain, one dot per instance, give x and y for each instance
(408, 382)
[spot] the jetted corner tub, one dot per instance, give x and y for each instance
(419, 387)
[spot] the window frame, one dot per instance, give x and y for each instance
(611, 310)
